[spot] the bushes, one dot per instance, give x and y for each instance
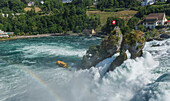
(141, 27)
(133, 22)
(151, 34)
(145, 10)
(12, 5)
(117, 3)
(93, 49)
(133, 37)
(159, 27)
(108, 27)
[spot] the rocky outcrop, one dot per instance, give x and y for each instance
(134, 42)
(109, 46)
(165, 36)
(116, 42)
(118, 61)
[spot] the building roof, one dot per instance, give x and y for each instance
(154, 17)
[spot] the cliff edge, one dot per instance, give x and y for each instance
(114, 43)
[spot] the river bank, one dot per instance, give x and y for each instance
(48, 35)
(38, 35)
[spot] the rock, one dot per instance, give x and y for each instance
(148, 40)
(118, 61)
(159, 39)
(91, 58)
(134, 42)
(108, 47)
(156, 45)
(111, 44)
(165, 36)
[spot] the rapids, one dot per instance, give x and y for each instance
(28, 72)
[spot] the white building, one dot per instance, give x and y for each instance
(16, 14)
(42, 2)
(147, 2)
(31, 3)
(3, 34)
(5, 15)
(95, 2)
(154, 19)
(67, 1)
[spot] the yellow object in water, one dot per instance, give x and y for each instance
(62, 64)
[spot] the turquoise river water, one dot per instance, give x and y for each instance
(28, 72)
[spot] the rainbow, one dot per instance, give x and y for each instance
(41, 82)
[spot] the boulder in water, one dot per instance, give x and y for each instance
(109, 46)
(134, 42)
(118, 61)
(165, 36)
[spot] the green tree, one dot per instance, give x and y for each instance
(110, 3)
(116, 3)
(133, 22)
(1, 26)
(88, 2)
(109, 27)
(141, 27)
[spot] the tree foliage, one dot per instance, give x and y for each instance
(117, 3)
(133, 22)
(108, 27)
(55, 17)
(145, 10)
(12, 5)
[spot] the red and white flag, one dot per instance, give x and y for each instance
(113, 22)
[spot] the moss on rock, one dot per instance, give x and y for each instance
(133, 41)
(109, 46)
(133, 37)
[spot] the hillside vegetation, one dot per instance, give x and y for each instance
(56, 17)
(126, 15)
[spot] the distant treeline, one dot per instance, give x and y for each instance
(145, 10)
(117, 4)
(11, 5)
(55, 17)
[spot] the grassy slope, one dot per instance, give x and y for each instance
(126, 15)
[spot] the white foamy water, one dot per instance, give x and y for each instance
(36, 51)
(162, 49)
